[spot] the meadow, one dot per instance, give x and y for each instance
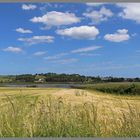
(118, 88)
(61, 112)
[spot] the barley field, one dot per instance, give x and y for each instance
(60, 112)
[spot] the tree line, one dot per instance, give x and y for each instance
(67, 78)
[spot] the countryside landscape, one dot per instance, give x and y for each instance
(61, 105)
(69, 70)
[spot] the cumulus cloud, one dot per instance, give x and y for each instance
(55, 18)
(39, 53)
(23, 31)
(86, 49)
(37, 39)
(130, 11)
(119, 36)
(81, 32)
(94, 4)
(98, 16)
(13, 49)
(28, 7)
(122, 31)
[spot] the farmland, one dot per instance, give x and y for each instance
(61, 112)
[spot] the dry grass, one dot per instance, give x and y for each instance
(36, 112)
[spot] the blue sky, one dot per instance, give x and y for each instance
(85, 38)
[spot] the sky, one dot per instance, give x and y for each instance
(84, 38)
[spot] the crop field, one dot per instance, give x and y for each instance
(61, 112)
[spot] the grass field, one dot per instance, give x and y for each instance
(58, 112)
(118, 88)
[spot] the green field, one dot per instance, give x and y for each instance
(5, 79)
(60, 112)
(118, 88)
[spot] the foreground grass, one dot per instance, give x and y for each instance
(67, 113)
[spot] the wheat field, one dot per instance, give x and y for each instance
(59, 112)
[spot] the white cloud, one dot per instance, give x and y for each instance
(37, 39)
(13, 49)
(80, 50)
(94, 4)
(45, 6)
(39, 53)
(58, 58)
(119, 36)
(55, 18)
(134, 34)
(130, 11)
(23, 31)
(55, 57)
(89, 54)
(98, 16)
(122, 31)
(81, 32)
(66, 61)
(28, 7)
(87, 49)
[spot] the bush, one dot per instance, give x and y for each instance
(116, 88)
